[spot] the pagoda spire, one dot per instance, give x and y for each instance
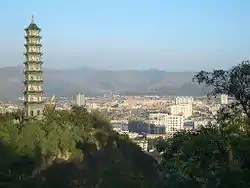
(32, 19)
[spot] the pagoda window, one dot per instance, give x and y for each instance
(35, 32)
(32, 113)
(38, 112)
(32, 32)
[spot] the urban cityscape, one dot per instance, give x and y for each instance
(147, 128)
(139, 117)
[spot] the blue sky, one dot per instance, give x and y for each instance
(174, 35)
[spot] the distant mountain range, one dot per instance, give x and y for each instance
(97, 82)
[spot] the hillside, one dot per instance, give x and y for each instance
(95, 82)
(70, 149)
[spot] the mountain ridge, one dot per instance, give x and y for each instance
(68, 82)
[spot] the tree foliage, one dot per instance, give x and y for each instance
(70, 149)
(208, 157)
(234, 82)
(217, 155)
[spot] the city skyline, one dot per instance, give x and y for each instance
(178, 36)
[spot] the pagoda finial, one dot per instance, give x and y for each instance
(32, 19)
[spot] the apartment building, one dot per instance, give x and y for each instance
(184, 100)
(186, 110)
(172, 123)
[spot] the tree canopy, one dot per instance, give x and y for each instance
(70, 149)
(234, 82)
(217, 155)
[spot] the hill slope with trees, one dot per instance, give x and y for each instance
(70, 149)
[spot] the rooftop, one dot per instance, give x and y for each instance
(32, 25)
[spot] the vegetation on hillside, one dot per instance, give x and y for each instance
(70, 149)
(217, 155)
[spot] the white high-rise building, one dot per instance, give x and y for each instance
(186, 110)
(184, 100)
(224, 99)
(172, 123)
(80, 100)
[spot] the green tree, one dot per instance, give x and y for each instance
(234, 82)
(216, 155)
(70, 149)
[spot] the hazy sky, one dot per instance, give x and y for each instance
(174, 35)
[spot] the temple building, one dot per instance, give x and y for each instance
(33, 80)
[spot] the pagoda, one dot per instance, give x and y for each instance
(33, 80)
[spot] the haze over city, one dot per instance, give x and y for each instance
(168, 35)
